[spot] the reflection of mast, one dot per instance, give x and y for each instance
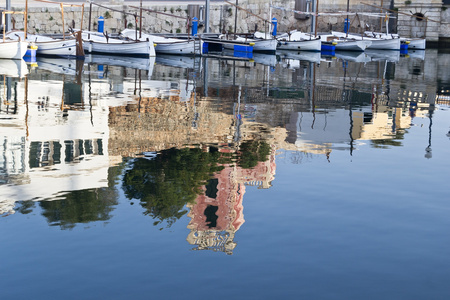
(236, 111)
(313, 99)
(346, 98)
(428, 153)
(26, 103)
(90, 95)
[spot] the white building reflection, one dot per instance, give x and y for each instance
(55, 124)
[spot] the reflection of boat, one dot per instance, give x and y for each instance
(13, 67)
(418, 54)
(353, 56)
(177, 61)
(58, 65)
(388, 55)
(265, 59)
(298, 55)
(140, 63)
(163, 44)
(95, 43)
(47, 45)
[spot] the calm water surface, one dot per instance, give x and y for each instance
(290, 176)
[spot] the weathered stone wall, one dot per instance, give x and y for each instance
(415, 26)
(47, 19)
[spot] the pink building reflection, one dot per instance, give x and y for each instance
(218, 214)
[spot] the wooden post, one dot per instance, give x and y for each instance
(140, 20)
(235, 18)
(26, 19)
(316, 12)
(62, 14)
(90, 12)
(3, 22)
(381, 19)
(82, 17)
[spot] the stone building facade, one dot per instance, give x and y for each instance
(223, 18)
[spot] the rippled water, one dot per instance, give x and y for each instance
(297, 176)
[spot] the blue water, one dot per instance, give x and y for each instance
(362, 219)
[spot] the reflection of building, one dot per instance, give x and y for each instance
(217, 214)
(48, 150)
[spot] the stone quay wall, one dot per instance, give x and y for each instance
(174, 16)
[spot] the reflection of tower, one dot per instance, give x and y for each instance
(218, 214)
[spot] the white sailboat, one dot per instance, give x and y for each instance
(259, 43)
(413, 43)
(94, 42)
(47, 45)
(163, 44)
(13, 49)
(377, 43)
(297, 40)
(345, 43)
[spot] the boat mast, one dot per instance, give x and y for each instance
(25, 20)
(207, 16)
(346, 20)
(381, 19)
(235, 18)
(315, 25)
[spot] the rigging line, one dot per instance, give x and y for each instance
(158, 12)
(109, 8)
(340, 13)
(402, 13)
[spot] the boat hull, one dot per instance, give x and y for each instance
(267, 46)
(263, 45)
(144, 49)
(57, 48)
(416, 44)
(385, 44)
(13, 49)
(179, 48)
(353, 45)
(303, 45)
(377, 43)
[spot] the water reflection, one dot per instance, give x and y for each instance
(194, 132)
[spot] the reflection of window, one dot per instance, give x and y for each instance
(35, 154)
(69, 153)
(88, 147)
(72, 93)
(211, 188)
(211, 217)
(368, 116)
(99, 147)
(57, 152)
(44, 154)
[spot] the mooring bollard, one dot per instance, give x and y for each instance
(275, 24)
(194, 26)
(101, 24)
